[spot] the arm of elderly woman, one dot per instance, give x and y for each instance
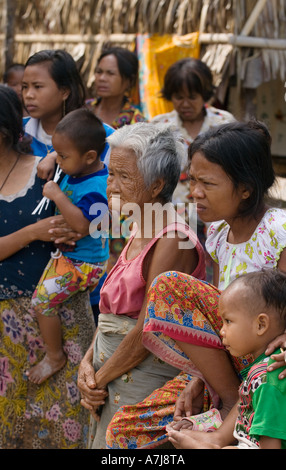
(166, 256)
(49, 229)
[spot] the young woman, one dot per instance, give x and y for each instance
(32, 416)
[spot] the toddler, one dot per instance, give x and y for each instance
(253, 310)
(79, 140)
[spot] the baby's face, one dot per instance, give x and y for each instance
(238, 330)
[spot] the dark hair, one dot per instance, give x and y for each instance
(84, 129)
(13, 67)
(11, 121)
(270, 286)
(189, 72)
(63, 70)
(243, 150)
(127, 62)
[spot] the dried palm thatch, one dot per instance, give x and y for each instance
(83, 27)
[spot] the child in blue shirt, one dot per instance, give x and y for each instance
(79, 140)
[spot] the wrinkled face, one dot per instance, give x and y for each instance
(213, 191)
(108, 81)
(189, 107)
(125, 180)
(42, 97)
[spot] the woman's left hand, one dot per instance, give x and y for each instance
(279, 358)
(62, 232)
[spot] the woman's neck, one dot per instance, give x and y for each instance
(193, 127)
(242, 228)
(49, 124)
(109, 108)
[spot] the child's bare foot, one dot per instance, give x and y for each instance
(46, 368)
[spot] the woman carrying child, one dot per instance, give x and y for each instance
(33, 416)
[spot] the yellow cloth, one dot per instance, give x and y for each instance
(156, 54)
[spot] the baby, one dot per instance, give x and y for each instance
(253, 311)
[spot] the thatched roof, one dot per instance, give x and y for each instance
(89, 24)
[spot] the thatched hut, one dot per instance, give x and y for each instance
(243, 42)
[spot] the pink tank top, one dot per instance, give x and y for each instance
(124, 288)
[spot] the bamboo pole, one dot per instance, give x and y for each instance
(253, 17)
(8, 36)
(242, 41)
(73, 38)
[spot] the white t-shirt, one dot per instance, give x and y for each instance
(262, 250)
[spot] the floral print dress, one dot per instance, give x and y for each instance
(46, 416)
(262, 250)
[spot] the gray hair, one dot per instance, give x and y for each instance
(159, 150)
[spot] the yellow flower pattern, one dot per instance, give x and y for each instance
(262, 250)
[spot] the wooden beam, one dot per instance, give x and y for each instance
(74, 38)
(242, 41)
(253, 17)
(8, 49)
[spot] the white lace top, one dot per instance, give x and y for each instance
(262, 250)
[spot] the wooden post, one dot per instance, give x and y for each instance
(8, 49)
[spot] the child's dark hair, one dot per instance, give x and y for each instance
(270, 286)
(189, 72)
(84, 129)
(64, 72)
(127, 62)
(13, 67)
(243, 150)
(11, 121)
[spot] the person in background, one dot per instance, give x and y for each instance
(188, 84)
(13, 78)
(46, 416)
(116, 75)
(79, 139)
(253, 314)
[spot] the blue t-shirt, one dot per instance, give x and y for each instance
(85, 192)
(41, 149)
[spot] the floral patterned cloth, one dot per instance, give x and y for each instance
(139, 382)
(129, 113)
(179, 306)
(46, 416)
(262, 250)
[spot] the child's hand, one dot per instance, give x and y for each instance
(46, 167)
(51, 190)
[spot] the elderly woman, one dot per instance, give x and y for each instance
(143, 171)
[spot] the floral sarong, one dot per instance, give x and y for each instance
(179, 307)
(46, 416)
